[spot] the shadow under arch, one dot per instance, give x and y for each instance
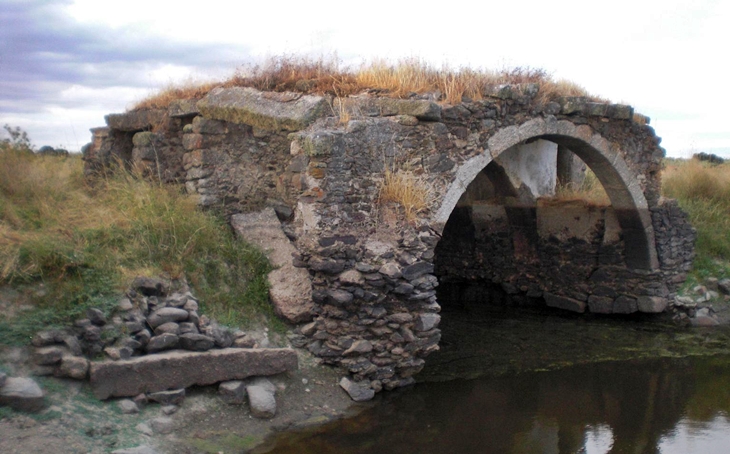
(619, 181)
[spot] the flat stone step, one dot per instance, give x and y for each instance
(180, 369)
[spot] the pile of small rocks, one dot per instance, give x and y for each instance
(696, 308)
(147, 320)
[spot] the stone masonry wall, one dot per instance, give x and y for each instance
(373, 270)
(570, 258)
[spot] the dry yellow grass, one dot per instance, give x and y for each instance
(186, 90)
(703, 191)
(400, 80)
(589, 192)
(408, 190)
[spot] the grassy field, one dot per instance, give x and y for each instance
(703, 191)
(75, 246)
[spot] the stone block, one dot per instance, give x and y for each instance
(166, 315)
(202, 125)
(416, 270)
(73, 367)
(359, 347)
(562, 302)
(600, 304)
(233, 392)
(264, 110)
(172, 397)
(625, 305)
(168, 327)
(359, 392)
(180, 369)
(46, 338)
(572, 104)
(135, 121)
(146, 139)
(620, 112)
(164, 341)
(127, 406)
(652, 304)
(196, 342)
(262, 401)
(386, 107)
(183, 108)
(46, 356)
(22, 394)
(192, 142)
(426, 322)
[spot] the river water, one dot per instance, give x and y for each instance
(534, 381)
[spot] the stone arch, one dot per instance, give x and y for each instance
(603, 157)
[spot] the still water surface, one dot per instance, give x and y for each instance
(638, 405)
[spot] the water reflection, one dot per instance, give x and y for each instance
(649, 406)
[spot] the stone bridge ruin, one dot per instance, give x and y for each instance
(360, 274)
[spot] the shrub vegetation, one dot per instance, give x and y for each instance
(82, 245)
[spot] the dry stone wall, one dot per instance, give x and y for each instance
(373, 269)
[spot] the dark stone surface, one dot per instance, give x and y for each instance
(179, 369)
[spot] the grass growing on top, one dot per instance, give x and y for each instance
(400, 80)
(83, 245)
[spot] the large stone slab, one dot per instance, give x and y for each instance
(180, 369)
(290, 287)
(135, 121)
(386, 107)
(264, 110)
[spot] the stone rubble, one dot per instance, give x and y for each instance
(141, 343)
(695, 308)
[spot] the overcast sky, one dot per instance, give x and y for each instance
(64, 64)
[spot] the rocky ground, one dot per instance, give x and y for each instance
(75, 422)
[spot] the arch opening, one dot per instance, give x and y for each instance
(509, 239)
(620, 184)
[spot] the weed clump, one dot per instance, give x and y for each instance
(406, 189)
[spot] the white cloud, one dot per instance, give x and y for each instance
(660, 56)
